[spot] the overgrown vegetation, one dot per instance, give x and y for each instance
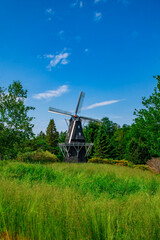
(72, 201)
(37, 156)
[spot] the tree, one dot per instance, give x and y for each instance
(17, 126)
(119, 141)
(101, 143)
(90, 132)
(52, 136)
(109, 126)
(147, 121)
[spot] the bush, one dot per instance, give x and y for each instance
(142, 167)
(37, 156)
(109, 161)
(122, 162)
(96, 160)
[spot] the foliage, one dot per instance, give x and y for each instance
(15, 124)
(52, 136)
(148, 120)
(109, 127)
(122, 162)
(119, 141)
(101, 143)
(90, 132)
(137, 151)
(37, 156)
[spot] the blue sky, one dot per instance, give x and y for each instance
(108, 49)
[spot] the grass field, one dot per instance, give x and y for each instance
(78, 201)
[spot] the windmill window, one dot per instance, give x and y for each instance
(78, 126)
(79, 133)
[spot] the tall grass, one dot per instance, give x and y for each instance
(78, 201)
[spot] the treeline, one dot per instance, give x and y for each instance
(136, 143)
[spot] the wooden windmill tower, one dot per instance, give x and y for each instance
(75, 149)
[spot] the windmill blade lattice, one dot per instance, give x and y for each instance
(58, 111)
(80, 102)
(90, 119)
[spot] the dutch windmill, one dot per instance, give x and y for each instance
(75, 149)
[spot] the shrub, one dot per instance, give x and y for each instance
(109, 161)
(141, 166)
(37, 156)
(95, 160)
(121, 162)
(154, 164)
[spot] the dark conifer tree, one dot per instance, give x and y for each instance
(52, 136)
(101, 143)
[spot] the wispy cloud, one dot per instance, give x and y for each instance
(50, 13)
(80, 4)
(52, 93)
(48, 56)
(49, 10)
(101, 104)
(97, 16)
(61, 58)
(77, 3)
(124, 2)
(97, 1)
(61, 34)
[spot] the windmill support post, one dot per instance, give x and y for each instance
(75, 152)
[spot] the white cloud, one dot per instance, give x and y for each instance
(61, 32)
(48, 56)
(52, 93)
(102, 104)
(97, 16)
(49, 11)
(60, 58)
(124, 2)
(77, 3)
(80, 4)
(97, 1)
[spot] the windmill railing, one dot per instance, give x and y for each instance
(65, 147)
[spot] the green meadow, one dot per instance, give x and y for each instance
(78, 201)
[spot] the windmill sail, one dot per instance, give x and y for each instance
(58, 111)
(80, 102)
(90, 119)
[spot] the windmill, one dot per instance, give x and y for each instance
(75, 149)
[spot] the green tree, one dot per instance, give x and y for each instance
(52, 136)
(109, 126)
(90, 132)
(101, 148)
(147, 121)
(14, 119)
(119, 141)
